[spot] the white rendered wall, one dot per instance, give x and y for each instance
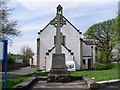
(47, 42)
(94, 54)
(72, 42)
(87, 51)
(49, 60)
(34, 59)
(48, 63)
(19, 60)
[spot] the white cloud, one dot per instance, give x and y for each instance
(36, 5)
(33, 27)
(67, 0)
(40, 8)
(28, 14)
(17, 46)
(50, 4)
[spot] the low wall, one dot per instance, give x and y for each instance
(14, 66)
(90, 83)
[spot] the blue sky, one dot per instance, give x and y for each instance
(33, 15)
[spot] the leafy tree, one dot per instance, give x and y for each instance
(105, 36)
(8, 28)
(116, 26)
(27, 54)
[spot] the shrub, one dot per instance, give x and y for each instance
(11, 58)
(100, 66)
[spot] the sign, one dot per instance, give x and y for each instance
(3, 56)
(1, 50)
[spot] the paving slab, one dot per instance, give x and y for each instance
(57, 85)
(26, 84)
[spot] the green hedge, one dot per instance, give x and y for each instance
(100, 66)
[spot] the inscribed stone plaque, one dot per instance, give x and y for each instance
(58, 61)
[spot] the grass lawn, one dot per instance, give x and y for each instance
(14, 81)
(101, 75)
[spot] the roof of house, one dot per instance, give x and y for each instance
(18, 56)
(89, 42)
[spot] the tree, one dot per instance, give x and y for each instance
(116, 26)
(27, 54)
(8, 28)
(105, 35)
(11, 59)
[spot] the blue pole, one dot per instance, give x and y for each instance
(5, 65)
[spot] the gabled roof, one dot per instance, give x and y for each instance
(66, 20)
(89, 41)
(73, 26)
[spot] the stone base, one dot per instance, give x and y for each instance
(58, 78)
(58, 75)
(59, 72)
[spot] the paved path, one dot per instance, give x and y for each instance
(76, 85)
(19, 72)
(23, 70)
